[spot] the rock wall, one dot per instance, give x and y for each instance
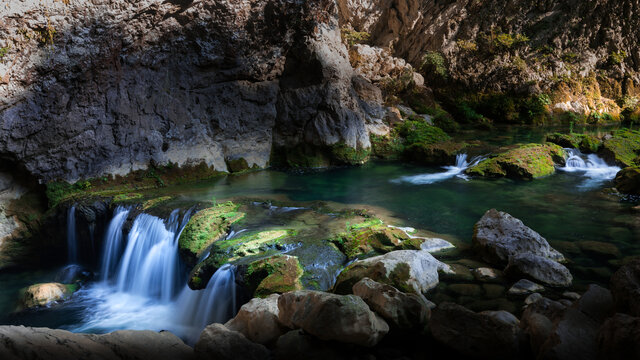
(566, 38)
(109, 87)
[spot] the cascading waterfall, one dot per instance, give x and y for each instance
(113, 243)
(215, 303)
(451, 171)
(144, 287)
(595, 169)
(72, 243)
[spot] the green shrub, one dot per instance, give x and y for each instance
(433, 63)
(617, 57)
(351, 37)
(509, 41)
(467, 45)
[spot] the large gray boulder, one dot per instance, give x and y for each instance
(625, 287)
(493, 335)
(498, 236)
(220, 343)
(343, 318)
(540, 269)
(400, 310)
(19, 342)
(414, 271)
(258, 320)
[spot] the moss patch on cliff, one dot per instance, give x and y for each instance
(524, 162)
(206, 227)
(122, 186)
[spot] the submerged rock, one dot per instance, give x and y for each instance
(45, 294)
(525, 162)
(625, 287)
(540, 269)
(493, 334)
(400, 310)
(258, 320)
(218, 342)
(498, 236)
(343, 318)
(19, 342)
(411, 271)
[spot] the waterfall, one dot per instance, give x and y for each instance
(215, 303)
(72, 243)
(595, 169)
(451, 171)
(113, 243)
(150, 264)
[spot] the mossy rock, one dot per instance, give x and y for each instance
(206, 227)
(442, 153)
(627, 180)
(151, 203)
(419, 132)
(237, 165)
(623, 148)
(343, 154)
(275, 275)
(524, 162)
(233, 250)
(388, 147)
(370, 241)
(127, 197)
(587, 143)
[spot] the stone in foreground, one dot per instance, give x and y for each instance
(539, 269)
(343, 318)
(220, 343)
(258, 320)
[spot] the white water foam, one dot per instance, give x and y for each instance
(456, 170)
(595, 169)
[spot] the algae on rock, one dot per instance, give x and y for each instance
(523, 162)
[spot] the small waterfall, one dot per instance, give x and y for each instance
(595, 169)
(216, 303)
(113, 243)
(72, 243)
(460, 166)
(150, 264)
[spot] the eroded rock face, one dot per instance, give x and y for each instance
(478, 335)
(498, 236)
(343, 318)
(400, 310)
(218, 342)
(122, 85)
(19, 342)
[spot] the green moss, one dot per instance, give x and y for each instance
(127, 197)
(71, 288)
(442, 153)
(524, 162)
(351, 37)
(251, 244)
(206, 227)
(277, 274)
(386, 147)
(369, 238)
(237, 165)
(585, 142)
(155, 201)
(344, 154)
(420, 132)
(623, 147)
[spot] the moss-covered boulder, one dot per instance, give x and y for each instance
(275, 275)
(375, 239)
(587, 143)
(524, 162)
(628, 180)
(622, 148)
(388, 147)
(235, 249)
(441, 153)
(206, 227)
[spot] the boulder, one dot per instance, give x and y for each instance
(627, 180)
(540, 269)
(19, 342)
(218, 342)
(573, 336)
(479, 335)
(343, 318)
(625, 287)
(413, 271)
(297, 345)
(400, 310)
(258, 320)
(537, 320)
(498, 236)
(45, 294)
(276, 274)
(619, 338)
(596, 302)
(487, 274)
(523, 162)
